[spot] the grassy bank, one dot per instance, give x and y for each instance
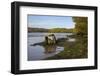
(72, 50)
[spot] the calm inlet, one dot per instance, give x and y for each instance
(39, 52)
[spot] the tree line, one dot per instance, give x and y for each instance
(53, 30)
(81, 25)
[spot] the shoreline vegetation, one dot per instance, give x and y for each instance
(72, 50)
(53, 30)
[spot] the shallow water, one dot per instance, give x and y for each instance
(39, 52)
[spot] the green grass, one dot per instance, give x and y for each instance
(73, 50)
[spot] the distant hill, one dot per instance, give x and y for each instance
(37, 30)
(54, 30)
(61, 30)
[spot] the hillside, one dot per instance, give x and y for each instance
(58, 30)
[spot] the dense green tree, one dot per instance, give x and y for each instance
(81, 25)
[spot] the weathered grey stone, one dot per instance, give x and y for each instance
(50, 39)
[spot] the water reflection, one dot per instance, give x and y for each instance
(39, 52)
(50, 49)
(71, 39)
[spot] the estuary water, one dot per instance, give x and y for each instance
(40, 52)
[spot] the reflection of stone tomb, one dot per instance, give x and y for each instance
(50, 48)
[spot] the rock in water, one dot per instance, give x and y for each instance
(50, 39)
